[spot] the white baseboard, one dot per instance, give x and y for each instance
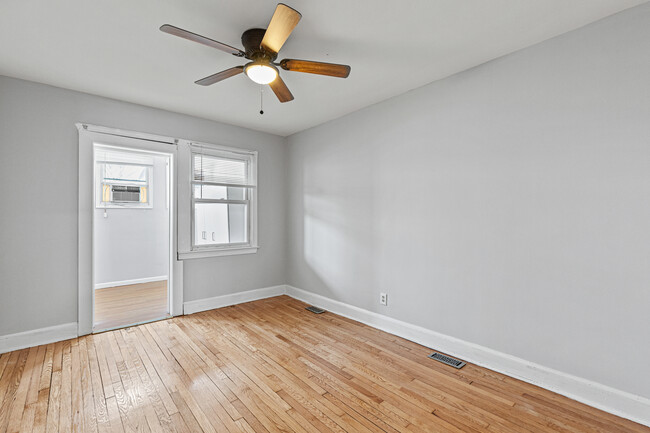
(626, 405)
(191, 307)
(36, 337)
(129, 282)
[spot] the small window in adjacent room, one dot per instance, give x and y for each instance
(124, 179)
(223, 199)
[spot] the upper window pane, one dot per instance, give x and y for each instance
(120, 173)
(208, 168)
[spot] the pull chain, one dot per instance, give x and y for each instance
(261, 99)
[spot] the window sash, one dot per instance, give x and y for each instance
(248, 183)
(221, 179)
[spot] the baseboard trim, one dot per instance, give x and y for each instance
(37, 337)
(192, 307)
(621, 403)
(129, 282)
(617, 402)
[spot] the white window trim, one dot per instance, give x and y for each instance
(185, 204)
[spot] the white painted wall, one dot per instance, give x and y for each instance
(133, 243)
(507, 206)
(38, 200)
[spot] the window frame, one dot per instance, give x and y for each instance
(100, 170)
(189, 250)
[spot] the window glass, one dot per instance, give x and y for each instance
(119, 173)
(214, 169)
(220, 223)
(218, 192)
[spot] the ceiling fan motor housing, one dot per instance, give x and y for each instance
(251, 39)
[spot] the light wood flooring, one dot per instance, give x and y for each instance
(126, 305)
(269, 366)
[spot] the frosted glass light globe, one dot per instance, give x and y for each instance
(261, 74)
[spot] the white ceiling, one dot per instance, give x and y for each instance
(114, 49)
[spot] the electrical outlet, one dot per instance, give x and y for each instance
(383, 299)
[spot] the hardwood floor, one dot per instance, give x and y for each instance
(269, 366)
(126, 305)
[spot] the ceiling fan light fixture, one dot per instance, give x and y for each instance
(261, 73)
(261, 49)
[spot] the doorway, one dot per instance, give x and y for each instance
(128, 270)
(131, 236)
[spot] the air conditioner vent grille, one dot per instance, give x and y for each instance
(122, 193)
(456, 363)
(315, 310)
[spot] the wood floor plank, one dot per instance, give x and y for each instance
(134, 389)
(77, 406)
(114, 417)
(269, 366)
(54, 401)
(17, 405)
(94, 396)
(105, 371)
(150, 370)
(10, 387)
(31, 399)
(161, 418)
(65, 396)
(4, 359)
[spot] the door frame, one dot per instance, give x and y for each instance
(89, 135)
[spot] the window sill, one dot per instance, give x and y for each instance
(185, 255)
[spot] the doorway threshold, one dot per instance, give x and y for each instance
(99, 331)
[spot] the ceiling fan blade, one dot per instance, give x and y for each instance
(282, 23)
(219, 76)
(172, 30)
(329, 69)
(281, 90)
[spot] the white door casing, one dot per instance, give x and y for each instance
(88, 136)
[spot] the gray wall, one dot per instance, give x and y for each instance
(131, 243)
(508, 205)
(38, 226)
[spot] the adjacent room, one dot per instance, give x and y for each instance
(370, 216)
(131, 234)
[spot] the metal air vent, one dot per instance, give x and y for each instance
(456, 363)
(126, 194)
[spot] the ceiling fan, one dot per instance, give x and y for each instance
(261, 48)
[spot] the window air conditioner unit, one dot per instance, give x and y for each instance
(125, 194)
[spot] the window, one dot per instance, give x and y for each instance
(124, 179)
(223, 204)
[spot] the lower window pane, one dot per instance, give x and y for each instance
(220, 223)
